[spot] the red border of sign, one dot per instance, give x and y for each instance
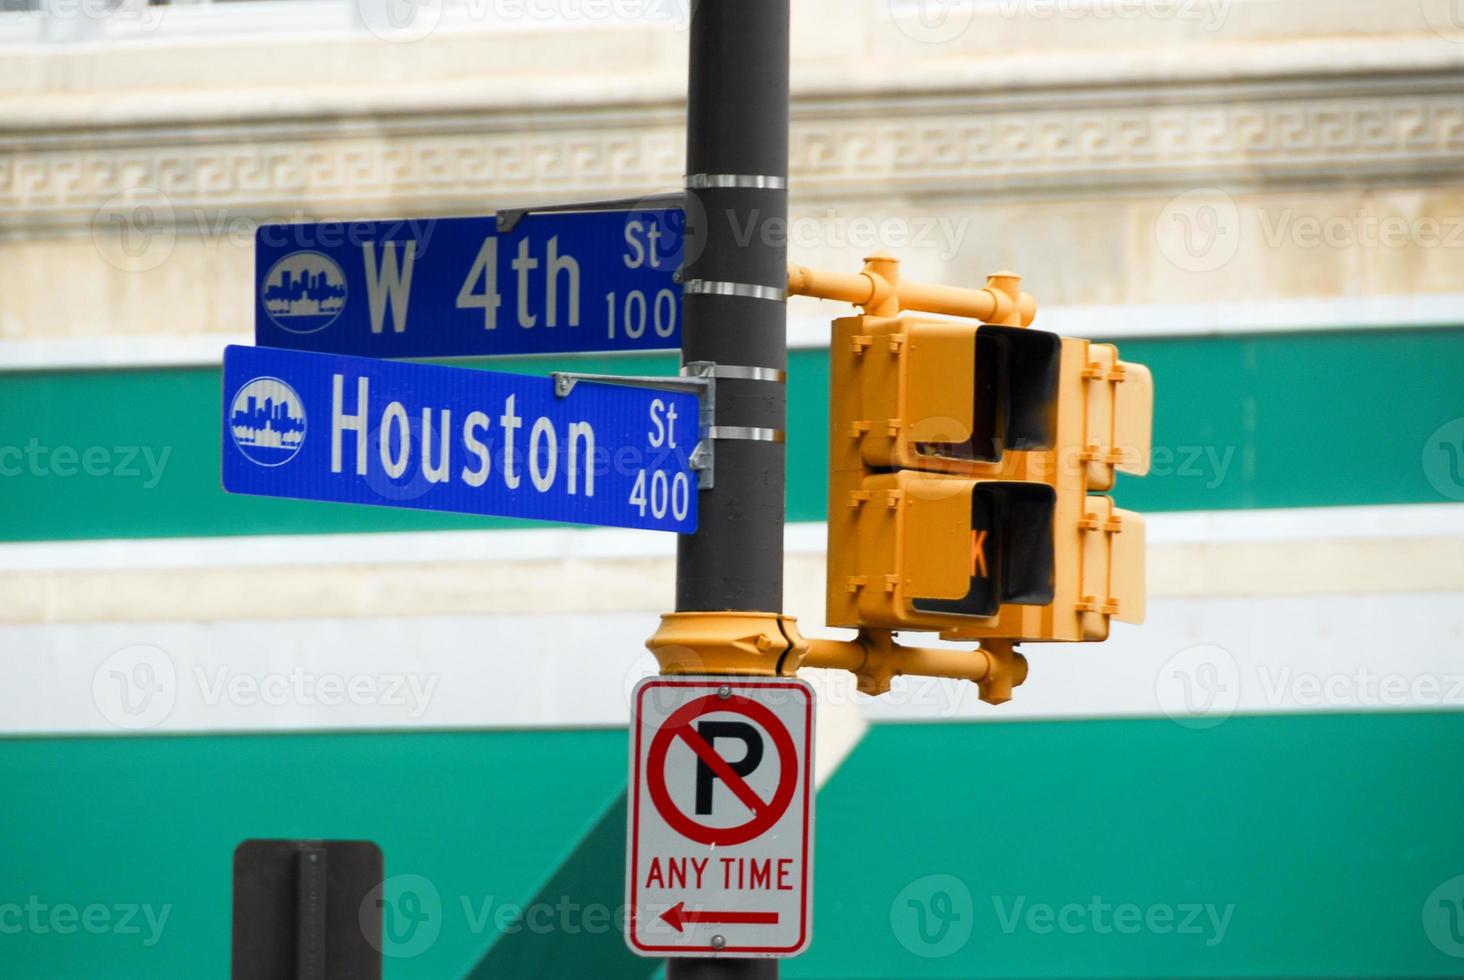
(634, 811)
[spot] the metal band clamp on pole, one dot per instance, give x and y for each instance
(734, 372)
(746, 433)
(757, 182)
(745, 290)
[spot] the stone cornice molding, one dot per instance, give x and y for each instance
(1058, 78)
(1044, 135)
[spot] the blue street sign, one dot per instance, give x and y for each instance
(397, 434)
(559, 282)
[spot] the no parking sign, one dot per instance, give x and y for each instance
(721, 816)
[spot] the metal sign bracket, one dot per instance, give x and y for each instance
(698, 377)
(509, 218)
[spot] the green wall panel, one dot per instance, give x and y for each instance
(581, 942)
(1282, 420)
(1323, 835)
(1316, 840)
(1304, 419)
(485, 818)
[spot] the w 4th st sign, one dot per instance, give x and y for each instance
(556, 282)
(721, 817)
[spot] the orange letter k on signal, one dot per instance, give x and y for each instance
(978, 554)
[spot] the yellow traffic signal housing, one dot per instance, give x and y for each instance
(952, 396)
(977, 559)
(962, 460)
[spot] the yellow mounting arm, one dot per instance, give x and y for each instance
(879, 290)
(771, 645)
(874, 658)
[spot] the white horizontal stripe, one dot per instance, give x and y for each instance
(447, 672)
(321, 675)
(1201, 660)
(1383, 521)
(584, 573)
(414, 548)
(1197, 659)
(808, 327)
(148, 351)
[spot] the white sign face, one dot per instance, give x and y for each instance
(720, 843)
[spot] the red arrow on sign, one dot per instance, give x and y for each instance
(677, 914)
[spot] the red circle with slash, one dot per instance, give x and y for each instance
(765, 812)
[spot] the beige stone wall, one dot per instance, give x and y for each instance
(1116, 152)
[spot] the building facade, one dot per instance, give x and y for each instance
(1261, 199)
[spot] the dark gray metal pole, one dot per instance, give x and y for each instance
(737, 256)
(735, 311)
(722, 970)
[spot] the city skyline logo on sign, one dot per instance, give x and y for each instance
(304, 292)
(267, 421)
